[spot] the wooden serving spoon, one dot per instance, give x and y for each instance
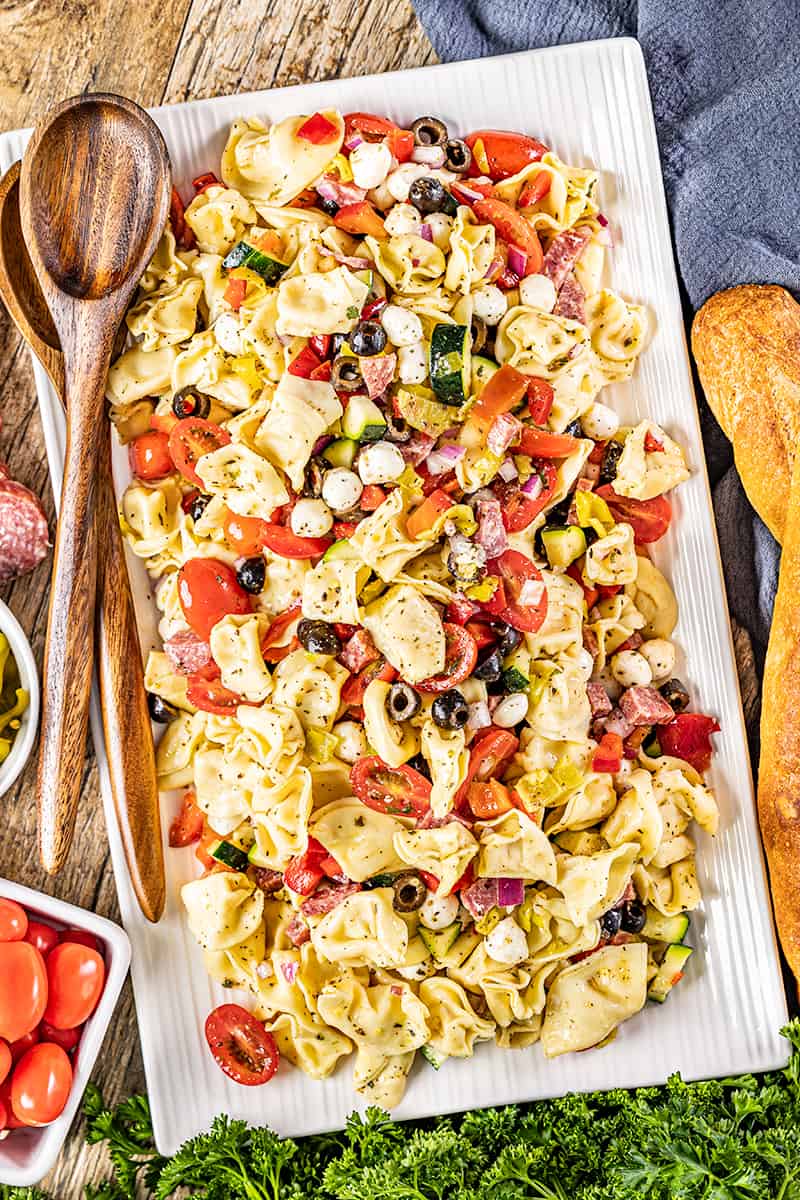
(94, 197)
(126, 721)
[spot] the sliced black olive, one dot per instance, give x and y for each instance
(420, 763)
(188, 402)
(318, 637)
(591, 535)
(458, 155)
(160, 710)
(675, 694)
(509, 639)
(450, 710)
(490, 668)
(402, 701)
(633, 916)
(198, 506)
(429, 131)
(251, 574)
(478, 329)
(428, 195)
(368, 338)
(611, 921)
(611, 457)
(396, 428)
(337, 341)
(559, 513)
(574, 429)
(314, 475)
(409, 892)
(346, 374)
(328, 206)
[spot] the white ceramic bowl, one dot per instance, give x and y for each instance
(29, 679)
(26, 1155)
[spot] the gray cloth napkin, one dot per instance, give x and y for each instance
(725, 81)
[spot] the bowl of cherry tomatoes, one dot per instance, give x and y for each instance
(61, 972)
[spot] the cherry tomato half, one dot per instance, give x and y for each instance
(489, 757)
(150, 457)
(502, 153)
(41, 1084)
(23, 989)
(208, 591)
(67, 1039)
(650, 519)
(241, 1046)
(42, 936)
(355, 687)
(209, 695)
(541, 444)
(245, 535)
(373, 129)
(513, 228)
(519, 508)
(5, 1060)
(13, 921)
(190, 439)
(187, 826)
(400, 791)
(278, 643)
(282, 541)
(75, 977)
(509, 602)
(461, 655)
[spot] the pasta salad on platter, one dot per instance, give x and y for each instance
(417, 672)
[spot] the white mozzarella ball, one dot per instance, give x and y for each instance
(600, 422)
(631, 669)
(507, 943)
(400, 180)
(228, 332)
(311, 518)
(412, 363)
(511, 710)
(381, 462)
(660, 654)
(341, 489)
(585, 662)
(537, 291)
(402, 218)
(381, 197)
(352, 741)
(441, 227)
(370, 163)
(402, 327)
(489, 303)
(438, 912)
(418, 972)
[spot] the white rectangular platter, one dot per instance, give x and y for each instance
(591, 103)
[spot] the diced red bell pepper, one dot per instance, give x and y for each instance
(320, 343)
(540, 400)
(318, 130)
(689, 737)
(608, 755)
(235, 293)
(534, 190)
(322, 373)
(205, 181)
(460, 610)
(305, 363)
(652, 445)
(360, 218)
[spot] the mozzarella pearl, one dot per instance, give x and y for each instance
(311, 518)
(381, 462)
(412, 363)
(402, 327)
(660, 654)
(511, 710)
(585, 662)
(400, 180)
(441, 227)
(437, 912)
(631, 669)
(228, 332)
(489, 303)
(600, 422)
(341, 489)
(537, 291)
(370, 163)
(352, 741)
(403, 218)
(507, 943)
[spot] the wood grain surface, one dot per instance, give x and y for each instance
(157, 51)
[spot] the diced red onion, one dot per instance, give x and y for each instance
(462, 191)
(353, 261)
(601, 219)
(396, 990)
(353, 141)
(510, 892)
(517, 261)
(495, 269)
(329, 187)
(284, 338)
(531, 592)
(479, 715)
(442, 460)
(322, 442)
(429, 156)
(264, 970)
(603, 236)
(533, 487)
(289, 970)
(507, 471)
(426, 232)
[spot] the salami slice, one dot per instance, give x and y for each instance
(377, 373)
(327, 897)
(24, 536)
(187, 652)
(562, 254)
(571, 301)
(645, 706)
(297, 931)
(598, 699)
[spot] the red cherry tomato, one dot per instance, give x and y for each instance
(502, 153)
(489, 757)
(41, 1084)
(277, 644)
(245, 535)
(282, 541)
(650, 519)
(209, 695)
(150, 457)
(208, 591)
(360, 218)
(540, 399)
(188, 825)
(513, 228)
(190, 439)
(377, 129)
(534, 190)
(540, 444)
(13, 921)
(401, 791)
(42, 936)
(75, 977)
(518, 508)
(5, 1060)
(461, 655)
(23, 989)
(22, 1045)
(10, 1121)
(515, 571)
(241, 1046)
(81, 937)
(354, 688)
(67, 1039)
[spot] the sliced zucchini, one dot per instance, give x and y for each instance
(379, 881)
(513, 680)
(669, 973)
(339, 550)
(229, 855)
(363, 420)
(451, 363)
(460, 950)
(482, 371)
(659, 928)
(433, 1056)
(245, 255)
(439, 943)
(563, 544)
(341, 453)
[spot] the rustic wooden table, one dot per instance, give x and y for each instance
(157, 51)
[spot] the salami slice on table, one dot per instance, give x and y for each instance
(24, 536)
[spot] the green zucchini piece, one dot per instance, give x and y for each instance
(451, 363)
(363, 421)
(230, 855)
(659, 928)
(339, 550)
(669, 973)
(245, 255)
(341, 453)
(439, 943)
(433, 1056)
(563, 544)
(514, 681)
(379, 881)
(482, 371)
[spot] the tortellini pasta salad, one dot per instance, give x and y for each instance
(417, 674)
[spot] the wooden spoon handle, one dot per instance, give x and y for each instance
(126, 721)
(70, 622)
